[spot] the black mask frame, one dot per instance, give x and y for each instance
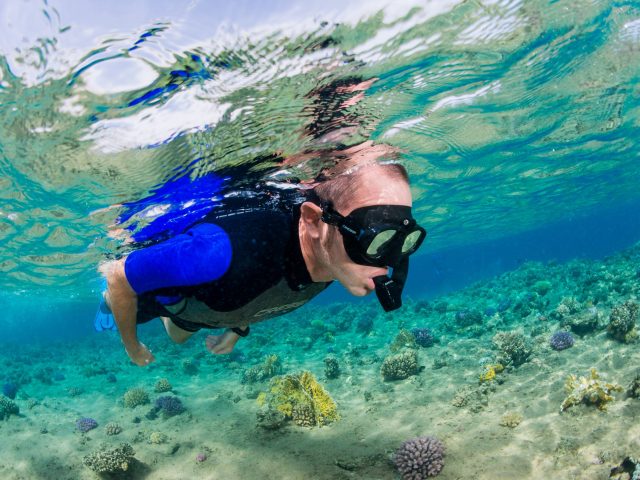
(360, 228)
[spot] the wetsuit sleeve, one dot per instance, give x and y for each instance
(203, 254)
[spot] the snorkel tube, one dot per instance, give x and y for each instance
(389, 289)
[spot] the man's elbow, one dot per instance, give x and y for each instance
(116, 278)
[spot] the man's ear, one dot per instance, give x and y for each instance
(311, 215)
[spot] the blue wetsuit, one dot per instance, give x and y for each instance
(238, 266)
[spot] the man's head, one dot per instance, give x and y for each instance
(324, 245)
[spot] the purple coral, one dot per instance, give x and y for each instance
(169, 405)
(561, 340)
(85, 424)
(420, 458)
(423, 336)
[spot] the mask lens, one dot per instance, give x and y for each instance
(411, 241)
(379, 241)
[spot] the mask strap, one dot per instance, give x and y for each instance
(389, 289)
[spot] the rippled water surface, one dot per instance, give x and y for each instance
(508, 114)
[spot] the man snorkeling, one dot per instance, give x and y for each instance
(263, 255)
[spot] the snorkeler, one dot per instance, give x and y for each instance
(263, 255)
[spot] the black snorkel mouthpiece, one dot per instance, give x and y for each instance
(389, 289)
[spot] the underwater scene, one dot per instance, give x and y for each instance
(166, 242)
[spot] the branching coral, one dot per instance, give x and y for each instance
(589, 390)
(270, 366)
(301, 397)
(107, 460)
(134, 397)
(398, 367)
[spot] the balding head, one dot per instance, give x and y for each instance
(373, 184)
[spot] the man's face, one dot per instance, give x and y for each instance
(373, 189)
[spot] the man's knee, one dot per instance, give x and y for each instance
(176, 334)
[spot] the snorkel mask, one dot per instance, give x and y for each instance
(379, 236)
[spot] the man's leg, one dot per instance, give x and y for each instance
(177, 334)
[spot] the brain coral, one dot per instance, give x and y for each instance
(420, 458)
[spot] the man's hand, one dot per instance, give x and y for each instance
(140, 355)
(219, 344)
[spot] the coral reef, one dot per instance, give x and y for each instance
(271, 419)
(567, 306)
(622, 322)
(467, 318)
(589, 390)
(112, 428)
(423, 337)
(169, 405)
(584, 322)
(400, 366)
(162, 386)
(7, 407)
(404, 339)
(270, 367)
(490, 371)
(331, 367)
(561, 340)
(420, 458)
(110, 460)
(301, 397)
(190, 367)
(135, 397)
(364, 325)
(513, 348)
(511, 419)
(634, 387)
(85, 424)
(157, 438)
(541, 287)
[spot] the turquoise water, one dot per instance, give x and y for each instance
(517, 121)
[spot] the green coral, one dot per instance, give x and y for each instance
(162, 386)
(135, 396)
(270, 367)
(541, 287)
(404, 339)
(106, 460)
(589, 390)
(7, 407)
(622, 322)
(302, 398)
(158, 438)
(400, 366)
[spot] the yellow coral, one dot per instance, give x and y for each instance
(589, 390)
(262, 399)
(490, 372)
(291, 391)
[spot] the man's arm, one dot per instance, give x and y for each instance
(123, 301)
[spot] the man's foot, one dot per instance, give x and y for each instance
(104, 318)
